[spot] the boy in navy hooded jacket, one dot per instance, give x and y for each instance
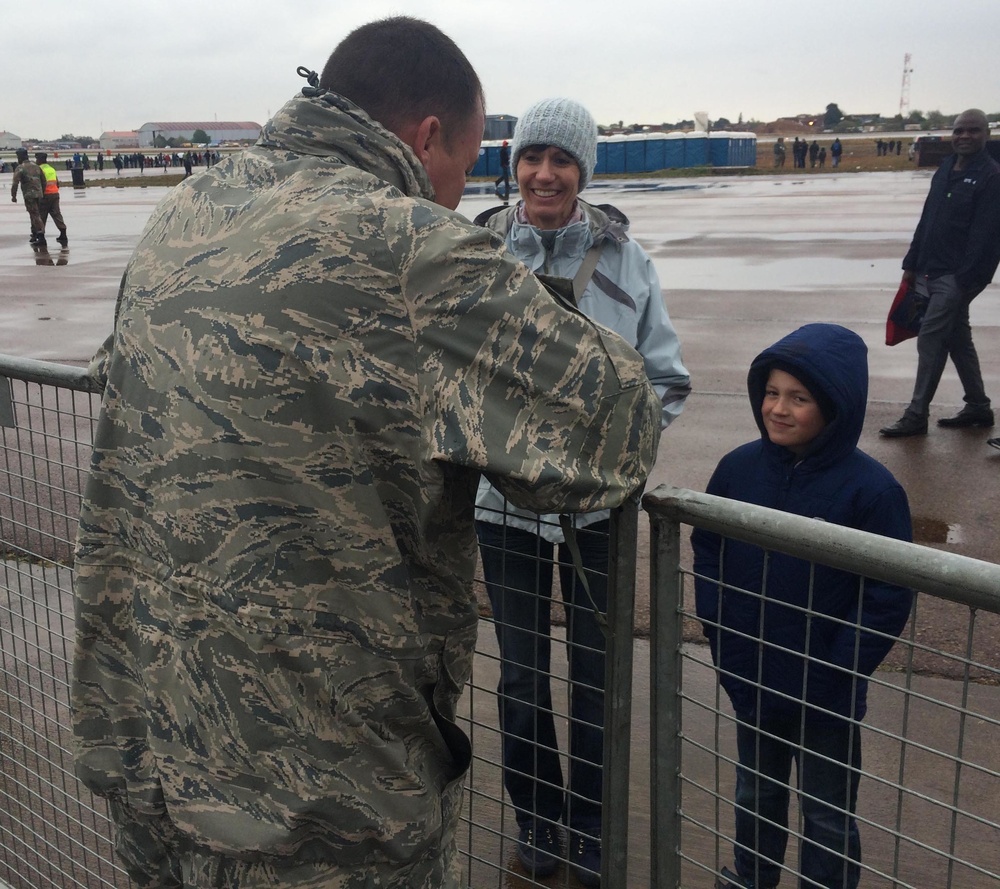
(794, 653)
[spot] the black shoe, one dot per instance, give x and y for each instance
(969, 415)
(993, 443)
(729, 880)
(904, 427)
(538, 850)
(62, 239)
(585, 859)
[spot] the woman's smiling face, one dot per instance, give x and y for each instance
(549, 181)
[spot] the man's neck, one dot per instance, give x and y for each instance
(962, 161)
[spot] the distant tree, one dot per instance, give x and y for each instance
(199, 136)
(938, 121)
(85, 141)
(833, 116)
(159, 142)
(723, 123)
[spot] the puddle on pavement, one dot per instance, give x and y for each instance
(928, 530)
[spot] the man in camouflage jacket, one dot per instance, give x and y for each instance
(29, 177)
(313, 361)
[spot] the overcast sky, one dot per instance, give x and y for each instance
(90, 67)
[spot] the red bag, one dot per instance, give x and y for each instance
(905, 314)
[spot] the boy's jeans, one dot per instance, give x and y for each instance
(828, 795)
(518, 569)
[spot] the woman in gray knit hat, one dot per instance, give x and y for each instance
(554, 232)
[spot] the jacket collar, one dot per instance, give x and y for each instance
(327, 125)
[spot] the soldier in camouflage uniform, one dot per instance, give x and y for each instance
(29, 177)
(313, 360)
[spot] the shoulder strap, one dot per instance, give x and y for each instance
(586, 271)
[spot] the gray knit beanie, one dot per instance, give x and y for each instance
(563, 123)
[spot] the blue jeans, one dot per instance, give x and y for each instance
(828, 757)
(518, 568)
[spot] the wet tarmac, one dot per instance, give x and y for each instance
(743, 260)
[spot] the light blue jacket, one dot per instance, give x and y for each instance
(623, 294)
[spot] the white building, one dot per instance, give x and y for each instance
(217, 131)
(9, 141)
(119, 140)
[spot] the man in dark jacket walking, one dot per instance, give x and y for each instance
(953, 256)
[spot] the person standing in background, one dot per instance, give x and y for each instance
(504, 176)
(28, 177)
(952, 258)
(49, 205)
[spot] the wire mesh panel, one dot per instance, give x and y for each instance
(52, 832)
(928, 775)
(543, 707)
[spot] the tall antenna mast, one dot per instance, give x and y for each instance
(904, 93)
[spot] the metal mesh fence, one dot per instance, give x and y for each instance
(928, 805)
(52, 832)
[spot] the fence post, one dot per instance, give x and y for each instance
(618, 695)
(666, 616)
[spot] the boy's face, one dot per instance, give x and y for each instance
(792, 417)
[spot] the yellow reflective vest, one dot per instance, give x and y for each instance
(49, 175)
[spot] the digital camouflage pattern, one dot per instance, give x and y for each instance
(28, 176)
(311, 365)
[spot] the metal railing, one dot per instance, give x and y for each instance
(929, 804)
(929, 787)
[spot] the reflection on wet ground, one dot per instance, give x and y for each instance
(927, 530)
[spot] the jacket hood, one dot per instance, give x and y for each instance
(831, 359)
(324, 124)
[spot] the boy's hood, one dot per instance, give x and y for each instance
(832, 359)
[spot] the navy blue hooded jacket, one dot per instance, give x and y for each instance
(766, 649)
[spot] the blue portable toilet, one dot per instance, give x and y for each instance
(493, 158)
(744, 151)
(635, 153)
(696, 149)
(616, 154)
(719, 145)
(673, 150)
(602, 156)
(480, 169)
(656, 152)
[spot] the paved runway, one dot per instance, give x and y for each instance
(742, 262)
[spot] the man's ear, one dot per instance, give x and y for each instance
(424, 137)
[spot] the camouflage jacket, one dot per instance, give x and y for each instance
(29, 176)
(311, 365)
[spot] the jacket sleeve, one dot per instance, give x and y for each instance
(661, 350)
(734, 653)
(554, 409)
(870, 628)
(913, 254)
(982, 252)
